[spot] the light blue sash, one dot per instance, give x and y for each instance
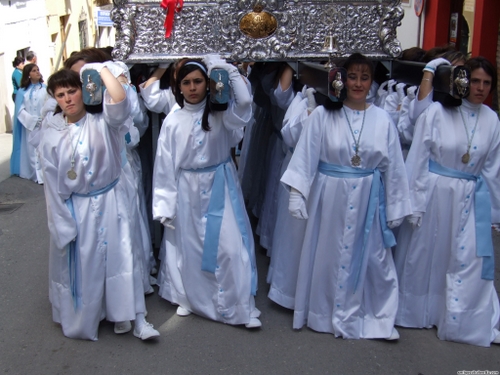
(73, 256)
(377, 197)
(482, 206)
(214, 218)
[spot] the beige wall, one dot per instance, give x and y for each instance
(69, 13)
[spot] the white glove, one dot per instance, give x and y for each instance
(213, 59)
(311, 101)
(410, 93)
(395, 223)
(95, 66)
(372, 94)
(168, 222)
(304, 91)
(115, 68)
(381, 89)
(400, 89)
(297, 205)
(164, 65)
(433, 64)
(390, 86)
(49, 106)
(496, 226)
(415, 219)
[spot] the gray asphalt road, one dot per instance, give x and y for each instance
(30, 343)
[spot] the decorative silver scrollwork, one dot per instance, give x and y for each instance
(204, 26)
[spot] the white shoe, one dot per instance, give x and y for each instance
(123, 327)
(253, 323)
(147, 332)
(496, 340)
(149, 291)
(181, 311)
(394, 335)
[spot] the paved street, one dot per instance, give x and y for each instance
(30, 343)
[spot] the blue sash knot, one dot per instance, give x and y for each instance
(377, 198)
(72, 249)
(482, 207)
(214, 216)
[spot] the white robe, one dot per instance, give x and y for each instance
(289, 231)
(101, 223)
(439, 272)
(325, 297)
(181, 192)
(156, 99)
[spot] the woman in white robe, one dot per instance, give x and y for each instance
(347, 281)
(444, 258)
(209, 263)
(29, 102)
(289, 232)
(91, 260)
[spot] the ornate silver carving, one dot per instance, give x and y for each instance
(366, 26)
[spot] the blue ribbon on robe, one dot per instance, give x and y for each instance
(215, 213)
(377, 197)
(482, 206)
(73, 256)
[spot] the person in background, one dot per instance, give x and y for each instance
(31, 57)
(17, 74)
(30, 99)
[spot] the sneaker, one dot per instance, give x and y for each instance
(253, 323)
(181, 311)
(146, 331)
(394, 335)
(149, 291)
(123, 327)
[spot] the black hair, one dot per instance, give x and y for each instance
(359, 59)
(183, 69)
(482, 62)
(25, 79)
(17, 60)
(65, 78)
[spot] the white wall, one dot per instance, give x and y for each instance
(408, 32)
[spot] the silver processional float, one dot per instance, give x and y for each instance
(304, 33)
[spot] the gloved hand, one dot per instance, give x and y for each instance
(496, 226)
(390, 86)
(411, 92)
(115, 68)
(49, 106)
(311, 100)
(164, 65)
(96, 66)
(433, 64)
(400, 89)
(211, 60)
(304, 91)
(167, 222)
(415, 219)
(372, 94)
(395, 223)
(297, 205)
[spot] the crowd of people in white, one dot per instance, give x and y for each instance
(375, 214)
